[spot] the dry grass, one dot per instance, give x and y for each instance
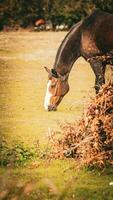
(23, 118)
(23, 85)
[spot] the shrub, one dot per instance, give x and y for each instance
(17, 154)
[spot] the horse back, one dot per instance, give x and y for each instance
(97, 33)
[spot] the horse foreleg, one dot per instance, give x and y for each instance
(99, 71)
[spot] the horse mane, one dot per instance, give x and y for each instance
(66, 38)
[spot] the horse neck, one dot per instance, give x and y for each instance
(69, 51)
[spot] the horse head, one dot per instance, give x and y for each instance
(57, 87)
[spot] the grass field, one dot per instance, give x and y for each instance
(22, 89)
(24, 80)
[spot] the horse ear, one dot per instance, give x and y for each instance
(47, 69)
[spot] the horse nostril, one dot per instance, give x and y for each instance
(52, 108)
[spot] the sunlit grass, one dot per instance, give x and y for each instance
(23, 85)
(23, 118)
(59, 179)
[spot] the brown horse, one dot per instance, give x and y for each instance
(91, 38)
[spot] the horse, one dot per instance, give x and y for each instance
(91, 38)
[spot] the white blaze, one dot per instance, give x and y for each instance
(48, 96)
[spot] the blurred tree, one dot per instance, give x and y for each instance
(68, 12)
(20, 12)
(25, 12)
(105, 5)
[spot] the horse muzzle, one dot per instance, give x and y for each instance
(52, 108)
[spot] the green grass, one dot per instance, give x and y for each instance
(24, 120)
(59, 180)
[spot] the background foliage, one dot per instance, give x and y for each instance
(24, 13)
